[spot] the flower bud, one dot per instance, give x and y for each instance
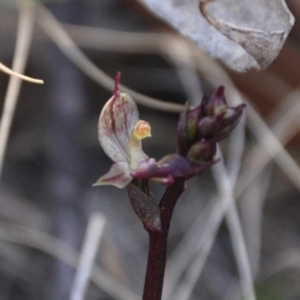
(233, 114)
(207, 127)
(202, 152)
(230, 119)
(193, 118)
(187, 128)
(216, 104)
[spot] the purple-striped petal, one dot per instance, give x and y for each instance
(116, 122)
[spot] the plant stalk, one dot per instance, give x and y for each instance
(156, 265)
(158, 242)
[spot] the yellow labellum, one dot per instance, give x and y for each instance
(142, 130)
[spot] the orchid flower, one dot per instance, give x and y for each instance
(120, 133)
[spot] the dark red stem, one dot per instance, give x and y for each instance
(156, 265)
(158, 243)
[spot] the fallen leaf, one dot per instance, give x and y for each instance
(243, 34)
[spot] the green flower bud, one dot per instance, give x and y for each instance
(202, 152)
(193, 118)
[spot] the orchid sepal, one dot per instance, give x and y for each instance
(118, 175)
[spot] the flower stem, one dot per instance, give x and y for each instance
(156, 265)
(158, 243)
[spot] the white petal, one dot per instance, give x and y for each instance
(116, 122)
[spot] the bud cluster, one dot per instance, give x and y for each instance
(200, 129)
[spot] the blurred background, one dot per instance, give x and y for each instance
(238, 221)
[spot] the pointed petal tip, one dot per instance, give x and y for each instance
(117, 82)
(99, 182)
(118, 175)
(220, 91)
(118, 184)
